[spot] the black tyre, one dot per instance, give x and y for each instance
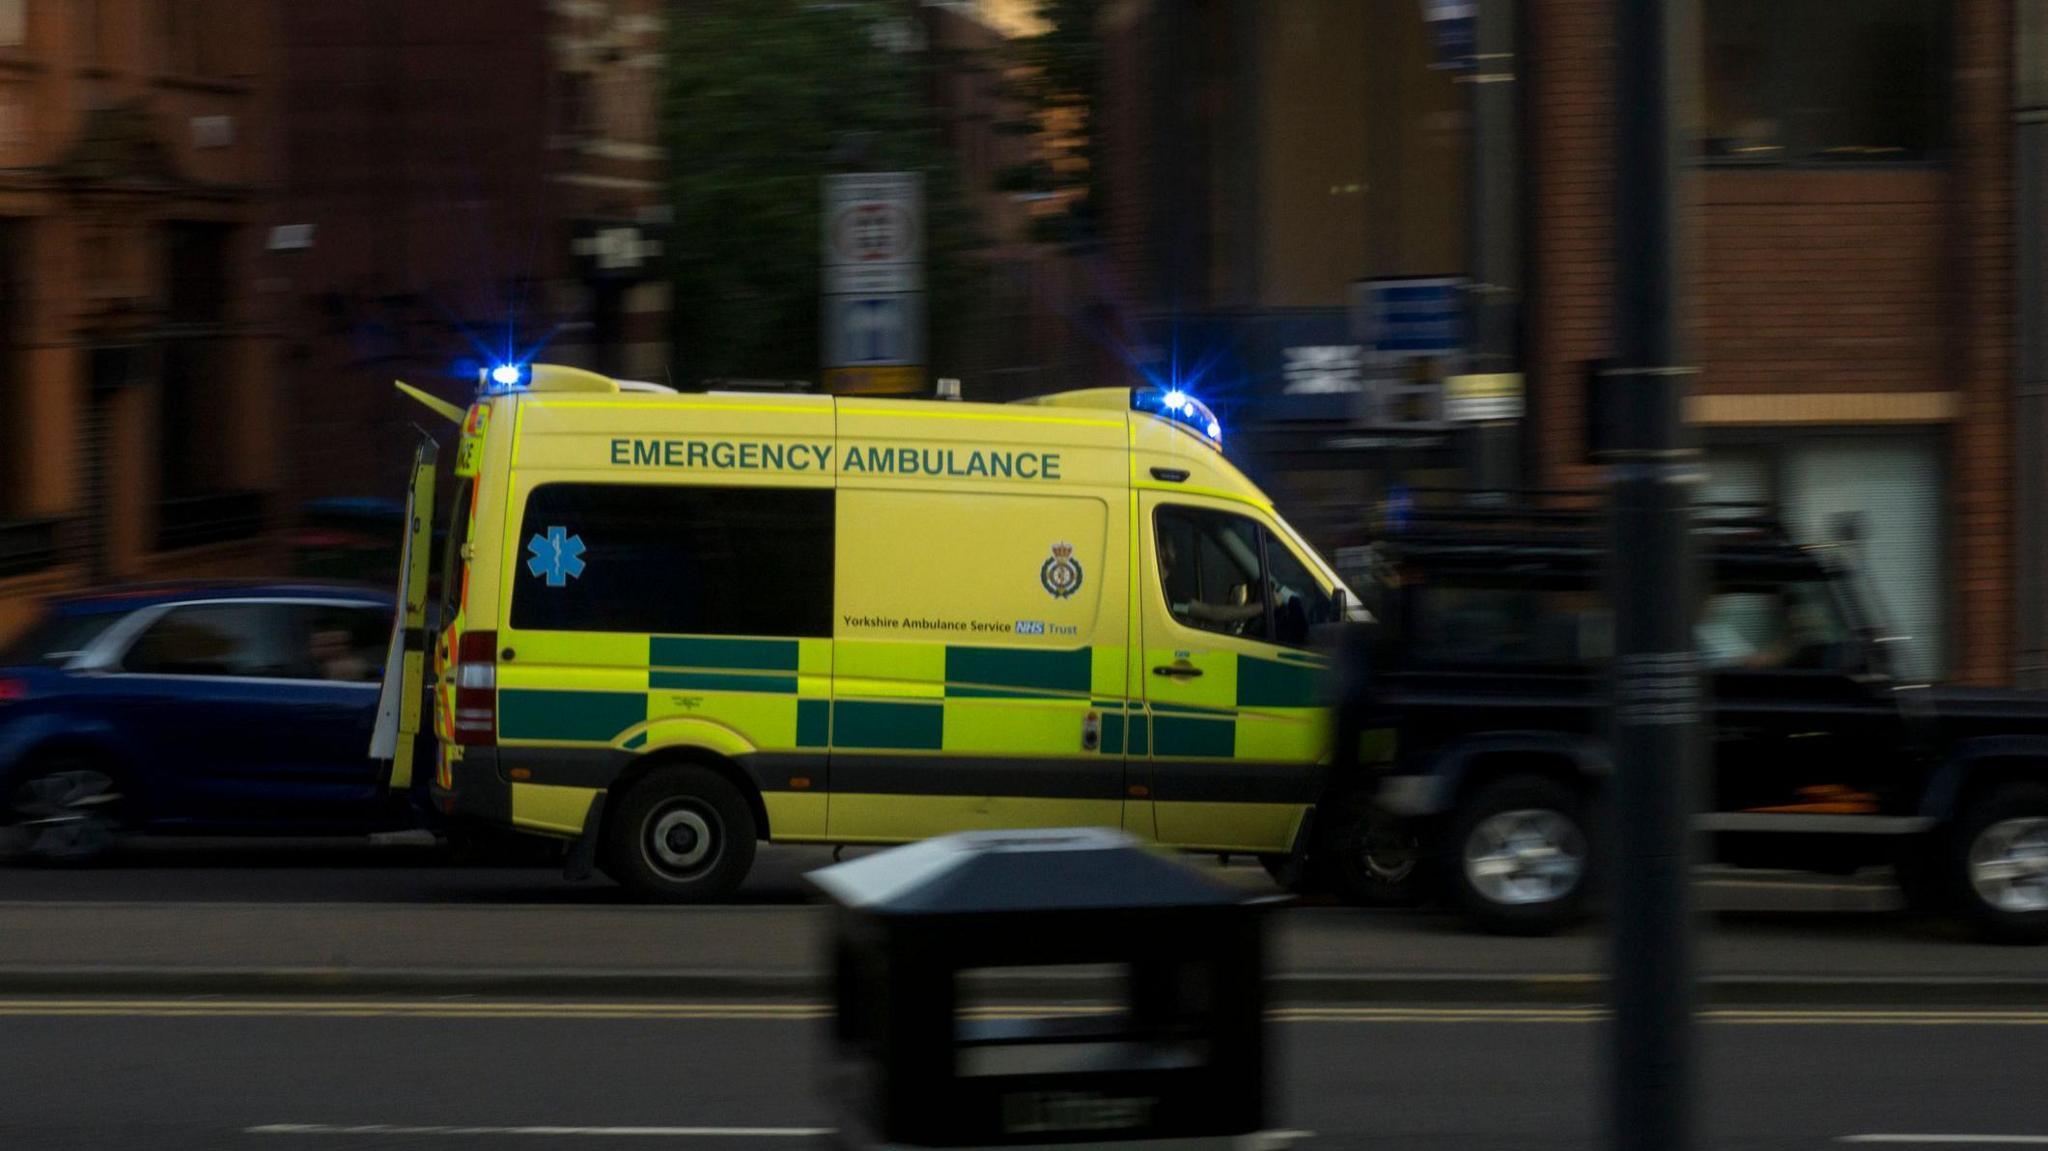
(1520, 857)
(1369, 856)
(66, 810)
(1298, 876)
(1997, 864)
(679, 835)
(1920, 869)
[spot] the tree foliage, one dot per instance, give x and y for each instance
(1058, 80)
(763, 99)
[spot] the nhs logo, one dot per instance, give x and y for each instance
(1030, 627)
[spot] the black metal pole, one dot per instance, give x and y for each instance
(1495, 252)
(1655, 722)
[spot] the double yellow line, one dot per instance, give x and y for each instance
(225, 1008)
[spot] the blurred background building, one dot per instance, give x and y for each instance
(1372, 232)
(1302, 190)
(2030, 117)
(465, 181)
(138, 151)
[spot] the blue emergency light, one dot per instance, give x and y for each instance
(1181, 408)
(506, 375)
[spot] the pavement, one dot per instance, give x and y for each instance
(281, 1074)
(201, 918)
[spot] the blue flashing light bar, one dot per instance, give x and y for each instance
(1176, 405)
(507, 375)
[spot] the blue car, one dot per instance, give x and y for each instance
(214, 708)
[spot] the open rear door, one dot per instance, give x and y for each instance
(398, 706)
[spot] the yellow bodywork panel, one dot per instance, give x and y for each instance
(900, 818)
(550, 809)
(1258, 827)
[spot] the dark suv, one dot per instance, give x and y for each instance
(1481, 710)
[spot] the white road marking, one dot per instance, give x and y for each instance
(591, 1132)
(1952, 1139)
(1268, 1139)
(483, 1010)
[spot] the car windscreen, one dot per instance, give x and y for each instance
(56, 637)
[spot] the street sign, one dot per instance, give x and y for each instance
(1483, 398)
(616, 249)
(1322, 370)
(873, 276)
(1454, 28)
(1402, 318)
(875, 331)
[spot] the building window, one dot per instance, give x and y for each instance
(673, 560)
(88, 28)
(13, 23)
(1883, 499)
(1822, 81)
(196, 383)
(189, 46)
(14, 417)
(576, 104)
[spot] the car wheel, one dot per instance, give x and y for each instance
(680, 835)
(1520, 856)
(1370, 856)
(63, 811)
(1998, 864)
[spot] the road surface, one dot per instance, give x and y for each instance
(328, 906)
(351, 1075)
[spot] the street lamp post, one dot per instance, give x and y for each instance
(1655, 721)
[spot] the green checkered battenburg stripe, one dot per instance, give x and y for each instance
(769, 667)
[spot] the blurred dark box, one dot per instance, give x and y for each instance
(934, 946)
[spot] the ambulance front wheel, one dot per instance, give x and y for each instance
(680, 835)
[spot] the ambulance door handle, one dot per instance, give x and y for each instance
(1178, 670)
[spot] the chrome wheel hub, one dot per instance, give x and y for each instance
(2009, 865)
(681, 838)
(1524, 857)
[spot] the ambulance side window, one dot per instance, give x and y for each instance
(667, 559)
(1227, 573)
(1209, 571)
(1300, 605)
(451, 552)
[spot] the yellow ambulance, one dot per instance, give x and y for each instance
(673, 625)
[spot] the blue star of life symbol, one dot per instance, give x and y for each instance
(556, 555)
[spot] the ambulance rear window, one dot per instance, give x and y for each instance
(672, 560)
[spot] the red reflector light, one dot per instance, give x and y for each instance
(12, 690)
(476, 688)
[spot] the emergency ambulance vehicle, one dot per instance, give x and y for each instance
(673, 625)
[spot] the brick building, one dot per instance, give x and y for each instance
(1852, 287)
(136, 143)
(1026, 337)
(412, 214)
(609, 185)
(467, 181)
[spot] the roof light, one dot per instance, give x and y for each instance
(1176, 405)
(506, 375)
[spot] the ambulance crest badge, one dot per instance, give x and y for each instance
(1061, 574)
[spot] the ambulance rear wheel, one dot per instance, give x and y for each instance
(680, 835)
